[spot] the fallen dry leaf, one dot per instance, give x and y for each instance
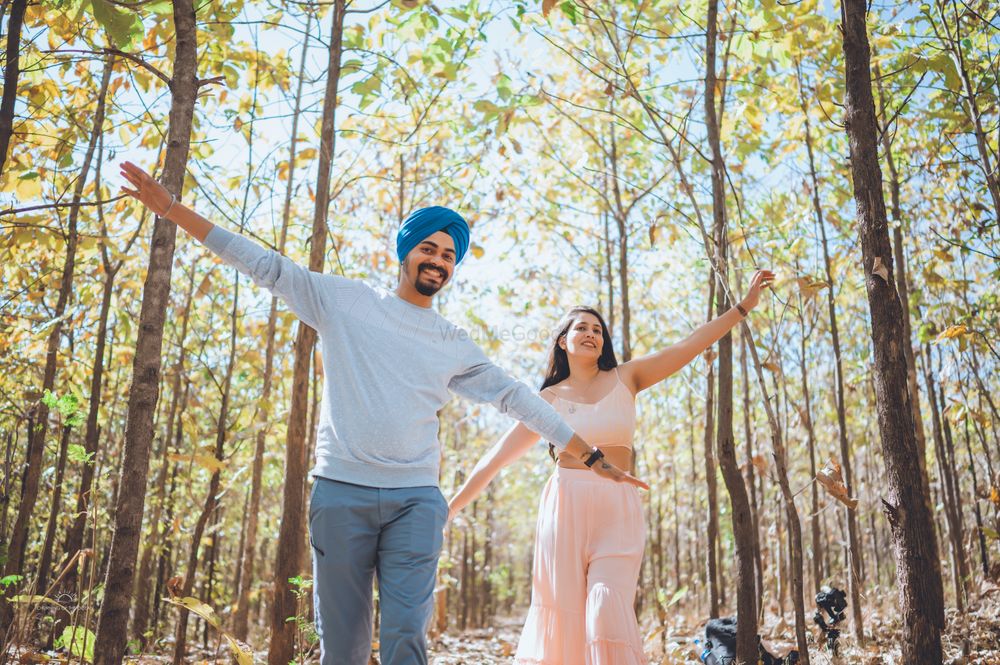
(830, 478)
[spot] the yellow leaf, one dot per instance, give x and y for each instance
(951, 332)
(241, 652)
(209, 462)
(476, 250)
(28, 189)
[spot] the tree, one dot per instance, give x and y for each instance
(915, 544)
(112, 624)
(292, 534)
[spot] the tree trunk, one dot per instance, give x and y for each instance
(12, 71)
(212, 498)
(751, 480)
(710, 479)
(240, 616)
(144, 580)
(113, 621)
(746, 611)
(970, 96)
(291, 535)
(853, 542)
(918, 571)
(48, 543)
(36, 437)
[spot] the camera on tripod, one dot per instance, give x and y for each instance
(831, 601)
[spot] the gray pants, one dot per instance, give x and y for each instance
(358, 532)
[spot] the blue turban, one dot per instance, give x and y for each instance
(424, 222)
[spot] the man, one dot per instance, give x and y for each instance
(389, 363)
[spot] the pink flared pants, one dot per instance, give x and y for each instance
(588, 551)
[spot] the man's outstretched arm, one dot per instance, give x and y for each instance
(155, 196)
(486, 382)
(310, 295)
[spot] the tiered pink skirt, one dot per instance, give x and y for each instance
(588, 551)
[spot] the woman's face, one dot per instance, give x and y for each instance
(585, 337)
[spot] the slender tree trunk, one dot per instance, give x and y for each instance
(984, 556)
(751, 480)
(918, 568)
(710, 479)
(144, 392)
(948, 458)
(853, 541)
(806, 412)
(145, 580)
(212, 498)
(45, 561)
(746, 611)
(970, 98)
(292, 531)
(12, 71)
(240, 617)
(36, 437)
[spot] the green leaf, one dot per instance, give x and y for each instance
(124, 28)
(680, 593)
(9, 580)
(79, 641)
(78, 454)
(161, 7)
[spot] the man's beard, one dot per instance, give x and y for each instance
(426, 288)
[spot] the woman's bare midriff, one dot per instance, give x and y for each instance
(620, 456)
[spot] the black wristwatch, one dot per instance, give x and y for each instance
(594, 456)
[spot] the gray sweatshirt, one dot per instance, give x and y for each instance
(388, 368)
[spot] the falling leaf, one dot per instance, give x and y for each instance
(547, 6)
(810, 287)
(831, 478)
(880, 269)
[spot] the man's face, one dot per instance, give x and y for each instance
(430, 264)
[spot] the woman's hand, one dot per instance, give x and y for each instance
(606, 469)
(760, 280)
(145, 189)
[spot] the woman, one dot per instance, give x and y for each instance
(591, 535)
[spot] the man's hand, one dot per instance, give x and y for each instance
(145, 189)
(606, 469)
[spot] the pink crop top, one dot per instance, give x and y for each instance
(610, 421)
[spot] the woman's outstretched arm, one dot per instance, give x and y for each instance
(514, 444)
(641, 373)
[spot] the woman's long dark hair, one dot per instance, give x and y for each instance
(558, 365)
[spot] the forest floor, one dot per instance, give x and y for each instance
(972, 638)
